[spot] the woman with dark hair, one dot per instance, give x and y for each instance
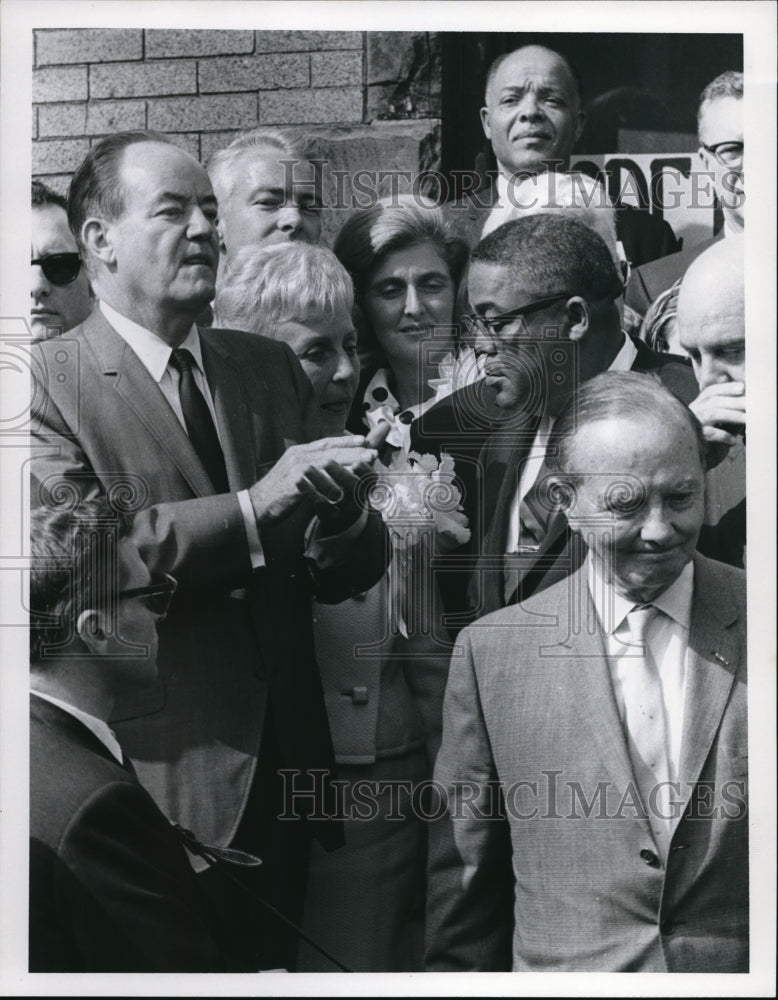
(406, 264)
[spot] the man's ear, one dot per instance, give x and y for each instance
(91, 628)
(561, 493)
(96, 235)
(579, 125)
(485, 122)
(578, 317)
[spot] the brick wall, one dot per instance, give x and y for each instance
(373, 97)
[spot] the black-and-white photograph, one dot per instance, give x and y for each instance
(374, 476)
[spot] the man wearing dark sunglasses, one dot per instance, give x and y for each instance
(111, 889)
(720, 132)
(60, 293)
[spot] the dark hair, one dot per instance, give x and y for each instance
(554, 254)
(43, 195)
(613, 395)
(496, 63)
(74, 567)
(95, 188)
(370, 234)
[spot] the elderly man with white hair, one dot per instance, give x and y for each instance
(267, 189)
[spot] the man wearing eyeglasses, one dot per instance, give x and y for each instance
(720, 132)
(60, 294)
(111, 888)
(543, 290)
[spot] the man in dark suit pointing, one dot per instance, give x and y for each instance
(211, 437)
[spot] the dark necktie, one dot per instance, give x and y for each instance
(199, 424)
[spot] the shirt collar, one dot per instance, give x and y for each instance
(612, 608)
(502, 188)
(98, 727)
(625, 358)
(152, 351)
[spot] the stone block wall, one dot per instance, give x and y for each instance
(373, 98)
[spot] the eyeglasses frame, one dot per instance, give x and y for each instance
(713, 150)
(44, 262)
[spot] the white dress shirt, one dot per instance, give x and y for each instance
(529, 473)
(504, 207)
(96, 726)
(154, 355)
(668, 642)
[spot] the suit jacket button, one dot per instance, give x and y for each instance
(358, 695)
(649, 857)
(667, 927)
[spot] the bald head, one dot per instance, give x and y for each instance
(533, 114)
(711, 314)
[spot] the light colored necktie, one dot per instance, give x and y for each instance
(646, 726)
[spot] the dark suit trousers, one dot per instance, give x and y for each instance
(284, 846)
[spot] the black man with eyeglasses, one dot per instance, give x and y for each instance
(111, 888)
(543, 291)
(720, 133)
(60, 294)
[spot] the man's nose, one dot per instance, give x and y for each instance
(657, 526)
(290, 219)
(484, 342)
(40, 286)
(529, 107)
(709, 372)
(200, 226)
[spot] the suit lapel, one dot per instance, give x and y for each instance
(126, 375)
(54, 717)
(232, 412)
(712, 663)
(479, 206)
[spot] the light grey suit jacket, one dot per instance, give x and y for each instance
(530, 709)
(236, 643)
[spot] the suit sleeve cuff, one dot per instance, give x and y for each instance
(256, 553)
(326, 551)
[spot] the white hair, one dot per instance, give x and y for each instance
(577, 194)
(266, 285)
(285, 143)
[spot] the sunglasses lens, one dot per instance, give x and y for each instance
(61, 268)
(159, 603)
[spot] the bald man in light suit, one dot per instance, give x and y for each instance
(595, 748)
